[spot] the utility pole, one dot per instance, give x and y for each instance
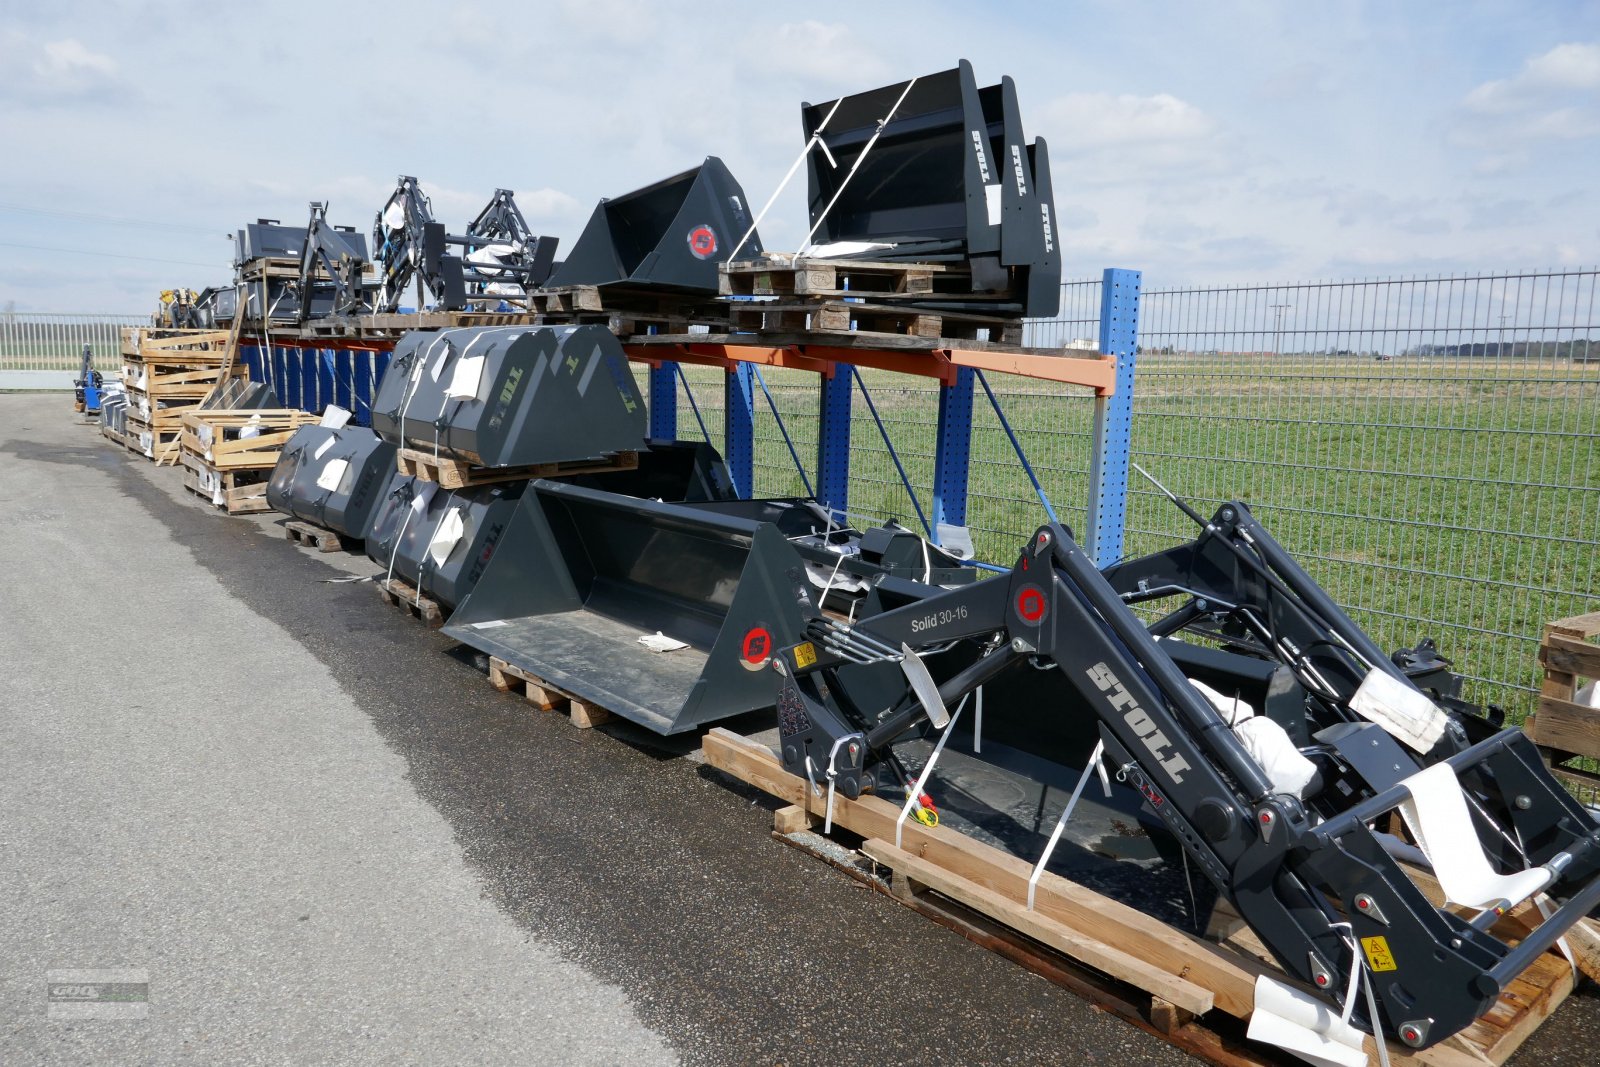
(1277, 326)
(1500, 349)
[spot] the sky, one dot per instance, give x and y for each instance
(1210, 143)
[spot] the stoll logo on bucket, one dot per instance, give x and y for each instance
(98, 993)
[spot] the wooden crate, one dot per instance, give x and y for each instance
(1184, 988)
(213, 436)
(1564, 728)
(235, 492)
(229, 470)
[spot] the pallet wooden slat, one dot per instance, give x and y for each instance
(316, 538)
(402, 594)
(507, 677)
(456, 474)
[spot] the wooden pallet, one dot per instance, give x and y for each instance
(198, 347)
(785, 275)
(400, 594)
(228, 491)
(1179, 982)
(825, 317)
(544, 696)
(456, 474)
(316, 538)
(1564, 728)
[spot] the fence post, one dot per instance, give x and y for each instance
(664, 401)
(953, 457)
(739, 433)
(833, 440)
(1108, 468)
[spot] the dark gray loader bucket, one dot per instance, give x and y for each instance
(511, 395)
(670, 235)
(440, 540)
(332, 477)
(583, 575)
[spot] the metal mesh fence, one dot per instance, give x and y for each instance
(1428, 447)
(44, 342)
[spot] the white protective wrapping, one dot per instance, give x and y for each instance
(1403, 711)
(446, 536)
(1300, 1023)
(332, 474)
(1267, 742)
(467, 378)
(334, 418)
(660, 642)
(1437, 817)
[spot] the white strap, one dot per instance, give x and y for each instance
(1066, 813)
(915, 791)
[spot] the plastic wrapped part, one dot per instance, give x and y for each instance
(949, 176)
(671, 235)
(441, 548)
(298, 484)
(544, 394)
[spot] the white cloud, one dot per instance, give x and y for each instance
(52, 70)
(1089, 120)
(1571, 67)
(823, 53)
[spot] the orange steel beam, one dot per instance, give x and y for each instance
(1096, 372)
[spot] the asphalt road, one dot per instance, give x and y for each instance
(327, 839)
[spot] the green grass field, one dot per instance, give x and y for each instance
(1458, 500)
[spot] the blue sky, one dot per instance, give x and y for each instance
(1207, 142)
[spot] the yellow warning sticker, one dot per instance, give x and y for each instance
(1379, 957)
(805, 654)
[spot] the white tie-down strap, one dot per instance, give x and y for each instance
(417, 508)
(332, 475)
(334, 417)
(1304, 1025)
(914, 794)
(833, 773)
(1437, 816)
(1094, 764)
(1402, 710)
(446, 535)
(322, 449)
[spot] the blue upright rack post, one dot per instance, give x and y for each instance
(953, 458)
(664, 401)
(739, 433)
(325, 391)
(1108, 468)
(833, 441)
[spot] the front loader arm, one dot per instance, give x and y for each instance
(1309, 878)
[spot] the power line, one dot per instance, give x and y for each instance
(105, 255)
(84, 216)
